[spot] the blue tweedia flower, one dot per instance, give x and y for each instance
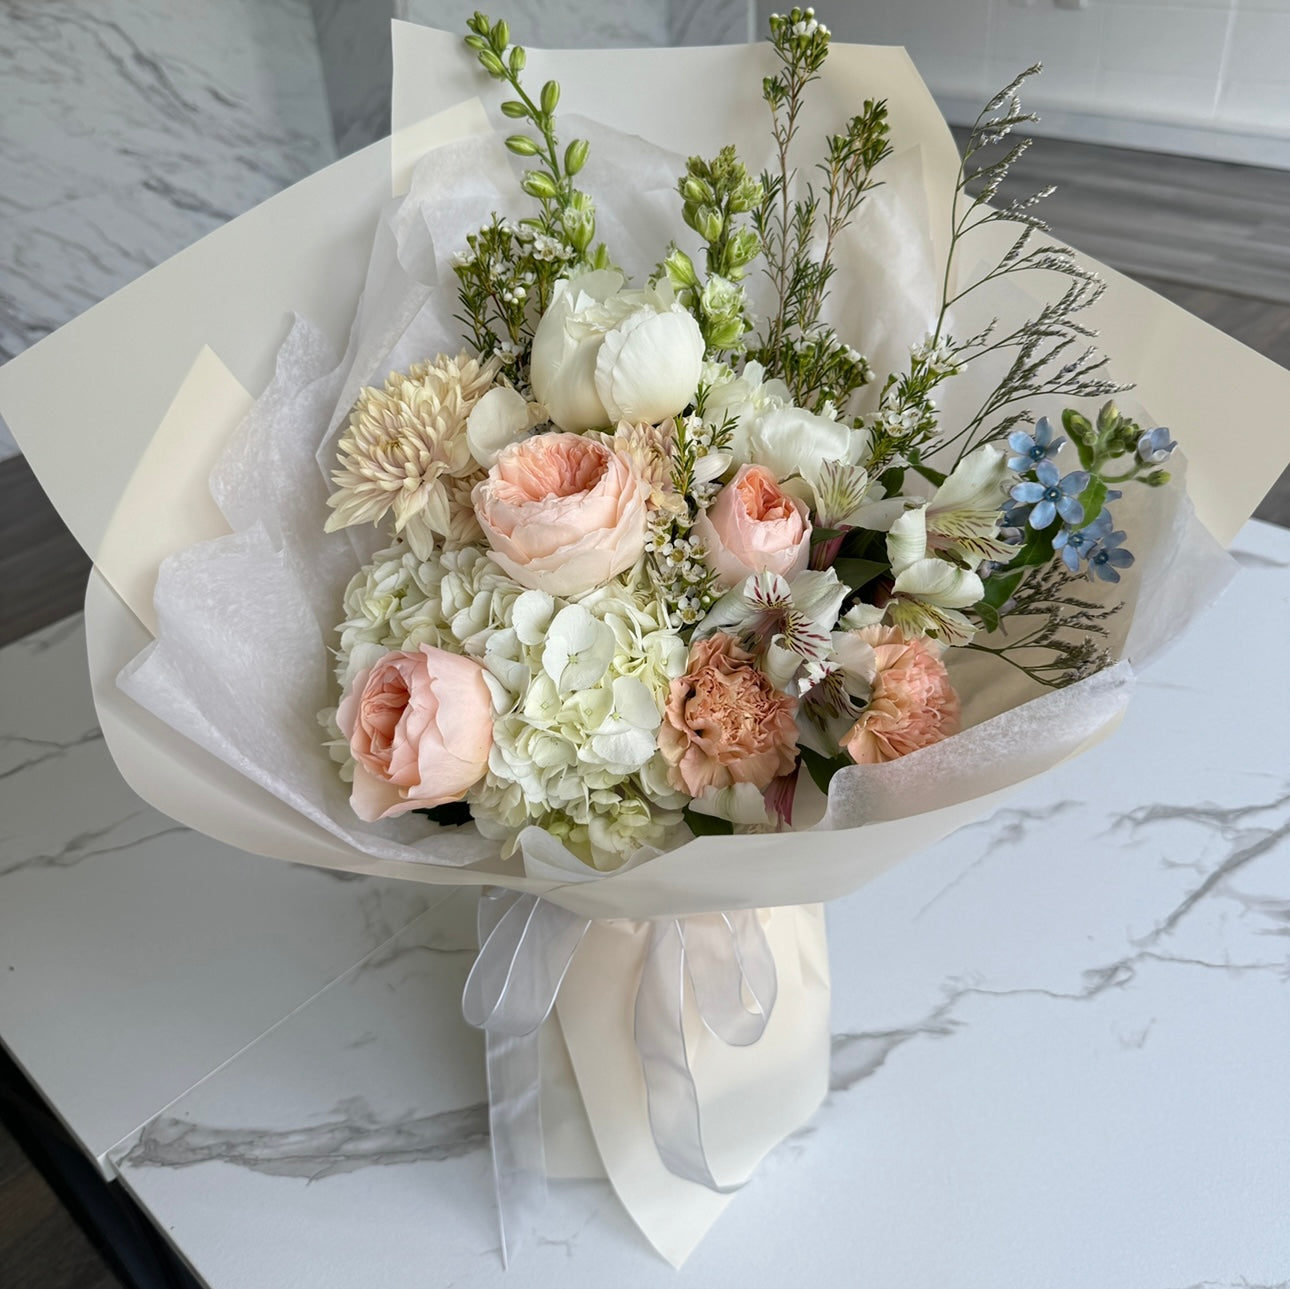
(1032, 449)
(1155, 446)
(1078, 543)
(1108, 557)
(1052, 496)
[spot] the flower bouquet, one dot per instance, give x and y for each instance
(664, 546)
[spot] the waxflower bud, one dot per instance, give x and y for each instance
(522, 145)
(550, 97)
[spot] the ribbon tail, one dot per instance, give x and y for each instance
(515, 1130)
(526, 945)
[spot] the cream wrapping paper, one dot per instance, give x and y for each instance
(206, 331)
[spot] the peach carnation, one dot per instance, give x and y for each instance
(725, 723)
(912, 703)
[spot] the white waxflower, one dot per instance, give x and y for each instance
(603, 354)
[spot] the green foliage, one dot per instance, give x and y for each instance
(823, 768)
(702, 825)
(817, 367)
(453, 814)
(506, 279)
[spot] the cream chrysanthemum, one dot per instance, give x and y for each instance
(405, 448)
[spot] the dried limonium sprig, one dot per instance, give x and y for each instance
(1047, 356)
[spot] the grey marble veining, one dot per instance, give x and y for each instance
(353, 1136)
(134, 127)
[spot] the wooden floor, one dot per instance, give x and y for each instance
(1214, 238)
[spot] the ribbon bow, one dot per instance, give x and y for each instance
(526, 947)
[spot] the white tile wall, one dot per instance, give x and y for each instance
(1209, 70)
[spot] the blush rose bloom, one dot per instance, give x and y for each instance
(754, 527)
(912, 703)
(725, 723)
(420, 726)
(562, 513)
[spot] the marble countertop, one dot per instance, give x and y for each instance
(1061, 1035)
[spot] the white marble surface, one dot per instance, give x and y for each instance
(136, 956)
(1060, 1053)
(132, 128)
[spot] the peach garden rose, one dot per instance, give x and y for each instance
(420, 727)
(754, 526)
(562, 513)
(912, 703)
(725, 723)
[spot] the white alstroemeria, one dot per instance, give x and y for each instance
(577, 650)
(500, 418)
(769, 430)
(963, 516)
(836, 492)
(741, 803)
(928, 591)
(603, 354)
(837, 698)
(790, 623)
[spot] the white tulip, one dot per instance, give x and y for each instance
(602, 354)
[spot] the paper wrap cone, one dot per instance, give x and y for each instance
(174, 365)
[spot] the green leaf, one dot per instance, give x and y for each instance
(999, 589)
(823, 768)
(892, 480)
(859, 572)
(1036, 549)
(452, 814)
(1093, 498)
(821, 535)
(707, 825)
(936, 477)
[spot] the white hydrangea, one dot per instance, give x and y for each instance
(586, 683)
(579, 689)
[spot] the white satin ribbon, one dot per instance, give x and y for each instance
(526, 946)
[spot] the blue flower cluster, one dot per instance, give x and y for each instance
(1048, 495)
